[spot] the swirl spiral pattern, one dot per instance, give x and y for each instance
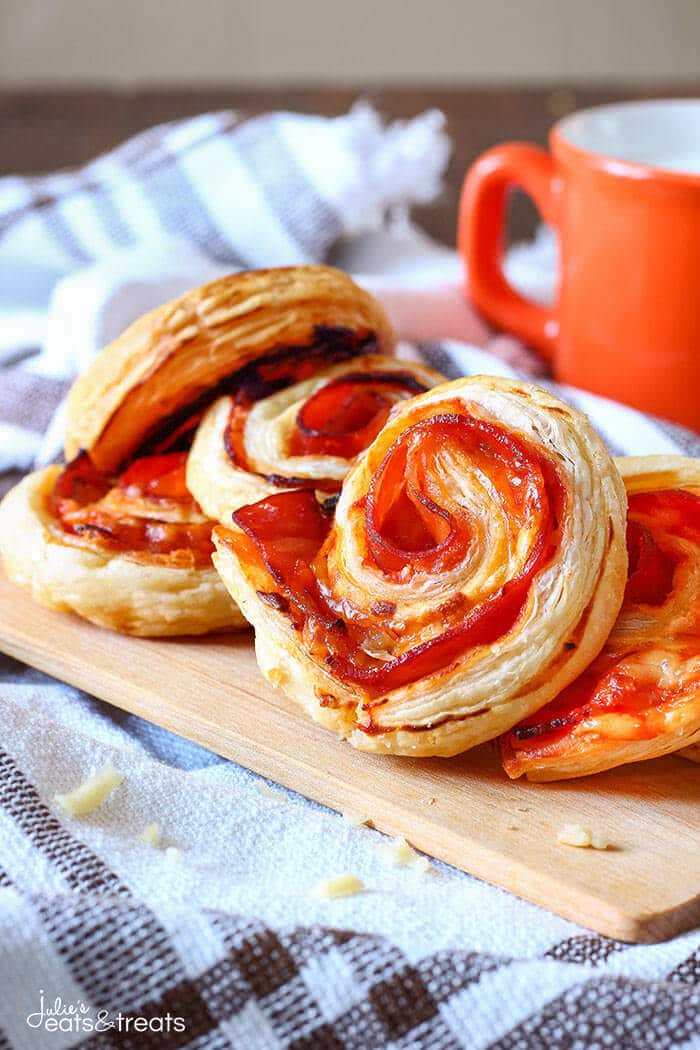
(269, 436)
(475, 565)
(641, 697)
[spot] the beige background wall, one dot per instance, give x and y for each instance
(136, 41)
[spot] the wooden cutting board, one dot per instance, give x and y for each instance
(463, 810)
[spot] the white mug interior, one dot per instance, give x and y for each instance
(663, 133)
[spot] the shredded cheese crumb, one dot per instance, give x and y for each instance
(91, 793)
(266, 791)
(346, 885)
(422, 864)
(402, 855)
(151, 835)
(173, 854)
(574, 835)
(577, 835)
(356, 820)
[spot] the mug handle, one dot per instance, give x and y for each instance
(480, 238)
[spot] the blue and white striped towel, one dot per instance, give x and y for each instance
(171, 208)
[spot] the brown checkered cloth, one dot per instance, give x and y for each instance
(78, 927)
(279, 989)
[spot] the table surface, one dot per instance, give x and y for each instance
(48, 129)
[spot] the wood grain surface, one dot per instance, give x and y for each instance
(463, 811)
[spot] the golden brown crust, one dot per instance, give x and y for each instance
(172, 355)
(149, 378)
(567, 615)
(618, 753)
(645, 473)
(111, 590)
(652, 657)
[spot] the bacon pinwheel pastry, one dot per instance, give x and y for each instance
(474, 566)
(641, 697)
(265, 438)
(116, 536)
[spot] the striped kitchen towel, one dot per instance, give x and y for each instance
(172, 208)
(228, 947)
(276, 189)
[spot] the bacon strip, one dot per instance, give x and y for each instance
(80, 503)
(406, 530)
(341, 419)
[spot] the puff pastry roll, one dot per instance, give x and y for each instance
(641, 697)
(267, 437)
(131, 552)
(474, 566)
(116, 536)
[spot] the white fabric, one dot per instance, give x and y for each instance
(246, 853)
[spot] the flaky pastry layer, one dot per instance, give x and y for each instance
(143, 396)
(463, 492)
(112, 590)
(174, 355)
(641, 698)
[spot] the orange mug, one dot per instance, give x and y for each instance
(621, 188)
